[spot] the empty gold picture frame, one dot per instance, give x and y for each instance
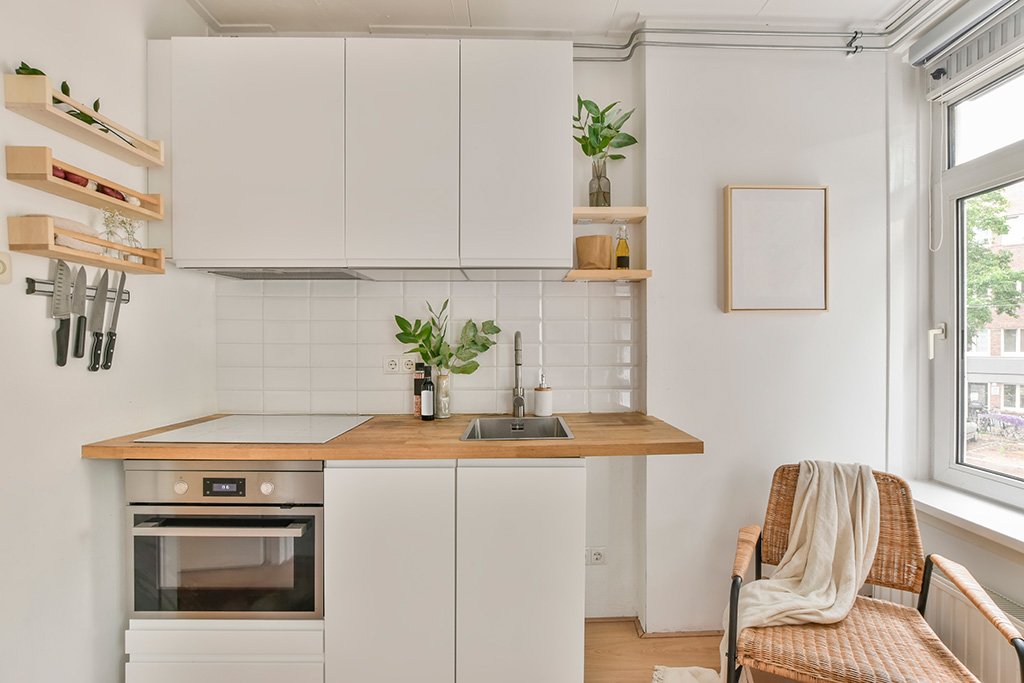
(776, 248)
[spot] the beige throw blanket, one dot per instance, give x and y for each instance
(833, 534)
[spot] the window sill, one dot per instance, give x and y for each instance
(980, 516)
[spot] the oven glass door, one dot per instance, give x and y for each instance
(197, 562)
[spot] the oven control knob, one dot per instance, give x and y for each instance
(181, 488)
(266, 488)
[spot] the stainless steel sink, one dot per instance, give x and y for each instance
(516, 429)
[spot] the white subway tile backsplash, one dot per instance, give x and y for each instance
(333, 288)
(239, 331)
(239, 308)
(226, 286)
(332, 332)
(286, 401)
(332, 379)
(564, 308)
(330, 308)
(286, 308)
(239, 378)
(285, 332)
(333, 402)
(332, 356)
(286, 288)
(239, 355)
(299, 346)
(285, 378)
(286, 355)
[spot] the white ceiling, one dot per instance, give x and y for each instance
(580, 16)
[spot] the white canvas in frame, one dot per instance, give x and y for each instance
(776, 248)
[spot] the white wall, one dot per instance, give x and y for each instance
(62, 568)
(761, 389)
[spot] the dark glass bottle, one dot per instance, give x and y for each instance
(427, 396)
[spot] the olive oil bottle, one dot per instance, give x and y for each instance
(622, 250)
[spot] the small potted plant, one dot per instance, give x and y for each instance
(600, 129)
(431, 343)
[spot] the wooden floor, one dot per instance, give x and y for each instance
(616, 654)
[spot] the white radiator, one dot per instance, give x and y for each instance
(965, 631)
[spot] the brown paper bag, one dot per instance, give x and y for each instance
(594, 252)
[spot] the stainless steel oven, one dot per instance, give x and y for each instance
(225, 540)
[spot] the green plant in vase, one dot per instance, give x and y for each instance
(600, 130)
(430, 339)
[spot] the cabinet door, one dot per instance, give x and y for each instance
(516, 190)
(520, 571)
(389, 572)
(224, 672)
(258, 150)
(402, 153)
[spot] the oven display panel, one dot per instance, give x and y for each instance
(223, 487)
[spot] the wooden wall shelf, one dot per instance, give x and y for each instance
(37, 235)
(32, 97)
(584, 215)
(33, 166)
(606, 275)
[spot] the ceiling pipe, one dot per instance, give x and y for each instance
(899, 28)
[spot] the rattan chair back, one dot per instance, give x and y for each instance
(899, 560)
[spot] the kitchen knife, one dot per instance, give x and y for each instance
(60, 310)
(108, 356)
(96, 315)
(78, 308)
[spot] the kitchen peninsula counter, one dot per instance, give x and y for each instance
(405, 437)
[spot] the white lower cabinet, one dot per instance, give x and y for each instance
(224, 651)
(389, 571)
(520, 571)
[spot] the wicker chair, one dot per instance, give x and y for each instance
(879, 641)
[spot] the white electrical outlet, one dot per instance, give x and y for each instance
(408, 364)
(5, 268)
(596, 555)
(392, 365)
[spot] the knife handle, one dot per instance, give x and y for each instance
(108, 356)
(80, 337)
(63, 337)
(97, 347)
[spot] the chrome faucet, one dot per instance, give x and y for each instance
(518, 394)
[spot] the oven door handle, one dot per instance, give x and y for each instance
(294, 530)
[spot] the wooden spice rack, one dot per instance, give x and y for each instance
(38, 235)
(603, 219)
(33, 98)
(33, 166)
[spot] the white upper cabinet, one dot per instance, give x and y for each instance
(259, 151)
(402, 155)
(517, 104)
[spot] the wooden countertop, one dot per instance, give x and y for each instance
(404, 437)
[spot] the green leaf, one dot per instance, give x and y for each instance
(608, 108)
(26, 70)
(469, 331)
(465, 354)
(623, 140)
(96, 105)
(445, 306)
(617, 123)
(403, 324)
(82, 116)
(466, 369)
(407, 338)
(65, 88)
(591, 108)
(616, 156)
(579, 104)
(594, 139)
(490, 328)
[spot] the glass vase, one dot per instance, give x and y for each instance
(600, 186)
(443, 395)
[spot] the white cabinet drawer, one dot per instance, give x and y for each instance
(228, 643)
(224, 672)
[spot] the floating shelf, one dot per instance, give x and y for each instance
(606, 275)
(33, 166)
(32, 97)
(38, 235)
(584, 215)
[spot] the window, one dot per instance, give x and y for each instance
(979, 373)
(987, 120)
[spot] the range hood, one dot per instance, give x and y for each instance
(394, 274)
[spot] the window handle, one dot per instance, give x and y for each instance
(933, 334)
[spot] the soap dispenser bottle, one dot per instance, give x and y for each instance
(543, 399)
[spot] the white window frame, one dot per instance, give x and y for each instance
(1019, 337)
(984, 344)
(950, 184)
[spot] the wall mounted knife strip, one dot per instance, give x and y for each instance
(45, 288)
